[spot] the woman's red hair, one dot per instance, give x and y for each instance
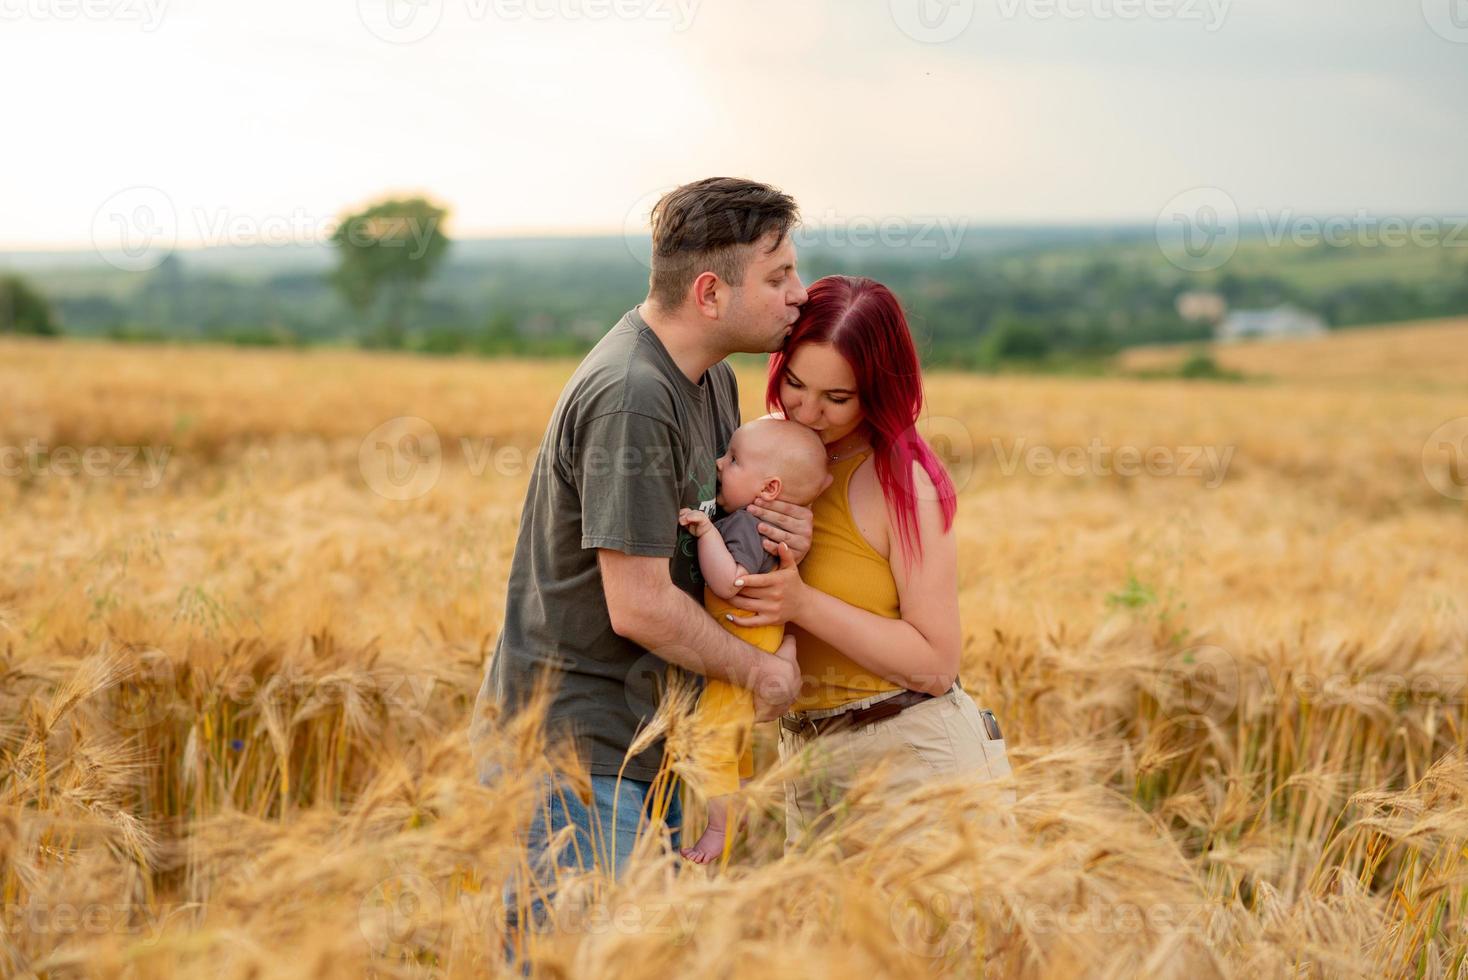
(864, 322)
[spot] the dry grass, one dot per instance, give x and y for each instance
(235, 701)
(1430, 354)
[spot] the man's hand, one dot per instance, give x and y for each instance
(778, 682)
(787, 523)
(696, 521)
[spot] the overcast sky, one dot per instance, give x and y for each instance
(568, 115)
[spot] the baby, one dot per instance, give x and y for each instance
(768, 459)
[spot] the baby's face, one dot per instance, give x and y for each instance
(742, 470)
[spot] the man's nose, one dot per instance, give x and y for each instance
(800, 295)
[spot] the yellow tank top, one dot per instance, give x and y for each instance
(843, 564)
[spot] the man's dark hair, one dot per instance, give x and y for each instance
(703, 226)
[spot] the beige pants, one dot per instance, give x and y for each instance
(939, 738)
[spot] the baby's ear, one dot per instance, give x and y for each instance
(771, 489)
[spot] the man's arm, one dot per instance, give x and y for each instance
(648, 609)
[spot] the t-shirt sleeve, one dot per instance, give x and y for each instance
(623, 470)
(740, 531)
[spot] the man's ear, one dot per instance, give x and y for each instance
(706, 294)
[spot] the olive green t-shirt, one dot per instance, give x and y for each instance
(630, 442)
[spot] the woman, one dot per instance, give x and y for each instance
(874, 606)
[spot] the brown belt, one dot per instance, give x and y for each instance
(856, 718)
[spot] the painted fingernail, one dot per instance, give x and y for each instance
(739, 582)
(729, 617)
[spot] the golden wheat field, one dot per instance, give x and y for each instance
(1225, 627)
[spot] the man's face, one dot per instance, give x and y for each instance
(763, 308)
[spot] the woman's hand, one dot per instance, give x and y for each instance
(784, 523)
(774, 597)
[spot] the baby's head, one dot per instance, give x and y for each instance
(772, 459)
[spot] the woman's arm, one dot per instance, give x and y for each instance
(919, 651)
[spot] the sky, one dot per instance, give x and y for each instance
(247, 120)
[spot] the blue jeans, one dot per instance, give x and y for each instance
(603, 837)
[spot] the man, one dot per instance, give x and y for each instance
(605, 589)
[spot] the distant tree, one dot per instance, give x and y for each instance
(1014, 338)
(387, 251)
(1200, 364)
(499, 336)
(24, 310)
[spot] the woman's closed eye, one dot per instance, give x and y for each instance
(801, 387)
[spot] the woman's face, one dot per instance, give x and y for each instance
(819, 391)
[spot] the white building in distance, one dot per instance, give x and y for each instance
(1282, 321)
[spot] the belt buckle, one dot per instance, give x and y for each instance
(801, 725)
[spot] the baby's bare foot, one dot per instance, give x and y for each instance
(710, 847)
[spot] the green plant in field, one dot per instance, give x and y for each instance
(1139, 597)
(1134, 595)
